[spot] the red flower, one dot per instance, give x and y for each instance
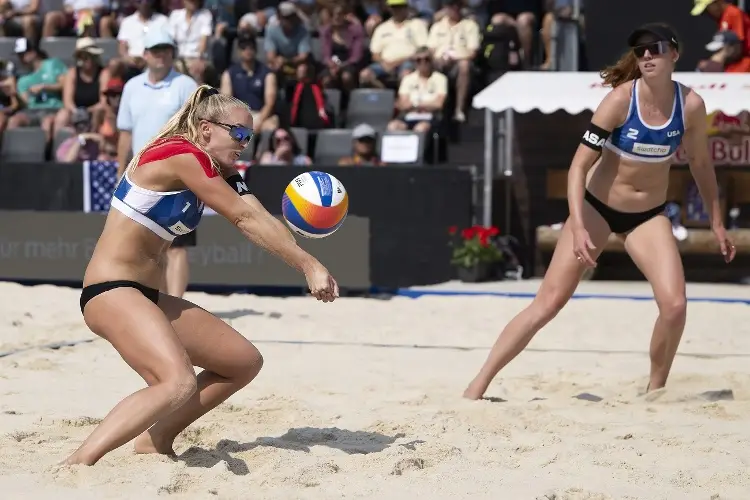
(468, 234)
(452, 230)
(493, 231)
(484, 239)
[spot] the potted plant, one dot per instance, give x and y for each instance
(475, 252)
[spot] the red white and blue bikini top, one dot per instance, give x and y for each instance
(637, 141)
(168, 214)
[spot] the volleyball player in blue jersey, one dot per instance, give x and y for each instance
(617, 183)
(161, 196)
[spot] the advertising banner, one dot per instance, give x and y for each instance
(56, 246)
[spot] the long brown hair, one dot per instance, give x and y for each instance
(624, 70)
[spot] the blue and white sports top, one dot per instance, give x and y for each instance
(637, 141)
(168, 214)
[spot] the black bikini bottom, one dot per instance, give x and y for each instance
(622, 222)
(91, 291)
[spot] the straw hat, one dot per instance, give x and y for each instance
(89, 46)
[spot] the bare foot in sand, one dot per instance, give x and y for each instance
(146, 443)
(473, 392)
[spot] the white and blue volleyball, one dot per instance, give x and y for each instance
(315, 204)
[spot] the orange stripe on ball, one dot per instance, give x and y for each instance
(315, 215)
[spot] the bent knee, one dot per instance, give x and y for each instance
(526, 19)
(673, 308)
(250, 364)
(548, 305)
(181, 387)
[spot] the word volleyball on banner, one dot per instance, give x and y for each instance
(100, 181)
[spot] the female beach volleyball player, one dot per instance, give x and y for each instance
(161, 337)
(636, 129)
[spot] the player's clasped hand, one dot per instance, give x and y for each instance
(322, 285)
(725, 244)
(582, 245)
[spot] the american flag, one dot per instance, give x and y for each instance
(100, 180)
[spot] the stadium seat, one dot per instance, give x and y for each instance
(60, 47)
(372, 106)
(332, 145)
(420, 148)
(60, 136)
(110, 46)
(7, 48)
(333, 97)
(248, 154)
(23, 145)
(264, 142)
(301, 136)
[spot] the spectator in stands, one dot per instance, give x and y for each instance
(191, 28)
(393, 45)
(283, 150)
(421, 96)
(730, 18)
(364, 138)
(107, 125)
(522, 15)
(368, 12)
(454, 43)
(253, 83)
(342, 50)
(77, 18)
(132, 34)
(83, 84)
(40, 90)
(149, 100)
(8, 98)
(287, 45)
(225, 22)
(727, 54)
(85, 144)
(19, 18)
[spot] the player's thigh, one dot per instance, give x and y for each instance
(141, 334)
(210, 342)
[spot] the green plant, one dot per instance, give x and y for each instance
(474, 245)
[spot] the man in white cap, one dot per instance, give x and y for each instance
(364, 138)
(148, 101)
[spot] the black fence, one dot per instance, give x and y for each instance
(408, 209)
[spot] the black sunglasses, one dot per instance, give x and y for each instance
(654, 48)
(239, 133)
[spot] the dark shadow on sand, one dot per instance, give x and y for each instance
(298, 439)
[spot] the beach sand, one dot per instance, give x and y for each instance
(362, 399)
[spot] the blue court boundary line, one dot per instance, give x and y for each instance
(415, 294)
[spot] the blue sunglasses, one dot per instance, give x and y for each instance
(239, 133)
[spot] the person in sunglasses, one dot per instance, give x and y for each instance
(161, 195)
(617, 183)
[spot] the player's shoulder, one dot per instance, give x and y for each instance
(620, 95)
(694, 103)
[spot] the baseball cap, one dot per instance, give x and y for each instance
(287, 9)
(88, 44)
(246, 39)
(699, 6)
(157, 37)
(362, 131)
(661, 32)
(721, 39)
(397, 3)
(114, 86)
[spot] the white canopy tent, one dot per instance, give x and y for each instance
(574, 92)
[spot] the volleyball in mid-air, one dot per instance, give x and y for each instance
(315, 204)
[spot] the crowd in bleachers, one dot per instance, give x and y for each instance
(392, 65)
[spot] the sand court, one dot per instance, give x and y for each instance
(361, 399)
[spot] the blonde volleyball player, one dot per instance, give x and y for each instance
(160, 336)
(630, 143)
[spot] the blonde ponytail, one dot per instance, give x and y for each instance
(204, 103)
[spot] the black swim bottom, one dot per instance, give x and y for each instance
(91, 291)
(185, 240)
(622, 222)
